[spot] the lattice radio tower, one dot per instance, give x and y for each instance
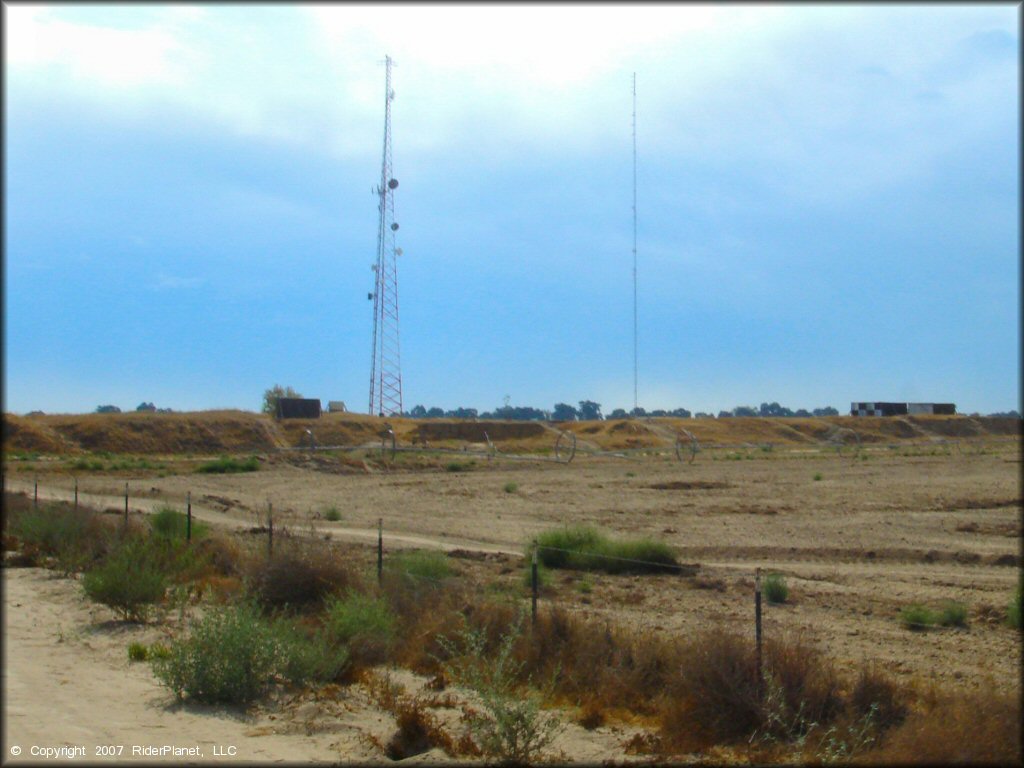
(636, 375)
(385, 367)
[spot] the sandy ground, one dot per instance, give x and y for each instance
(863, 540)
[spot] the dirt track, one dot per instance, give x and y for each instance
(868, 538)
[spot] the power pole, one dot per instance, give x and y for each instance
(385, 365)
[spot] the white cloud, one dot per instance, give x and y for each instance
(97, 54)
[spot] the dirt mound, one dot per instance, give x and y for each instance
(30, 435)
(333, 429)
(205, 432)
(473, 431)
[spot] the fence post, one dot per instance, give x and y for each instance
(380, 550)
(126, 506)
(188, 516)
(35, 494)
(270, 529)
(76, 494)
(757, 625)
(533, 586)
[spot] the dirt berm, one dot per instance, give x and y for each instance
(223, 432)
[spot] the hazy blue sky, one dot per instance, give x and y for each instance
(828, 203)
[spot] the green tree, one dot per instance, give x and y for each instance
(563, 412)
(275, 393)
(590, 411)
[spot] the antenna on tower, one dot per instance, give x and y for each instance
(635, 364)
(385, 365)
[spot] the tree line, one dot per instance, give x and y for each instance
(588, 410)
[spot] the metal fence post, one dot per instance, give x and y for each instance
(188, 516)
(76, 494)
(126, 506)
(35, 494)
(533, 585)
(757, 626)
(270, 529)
(380, 550)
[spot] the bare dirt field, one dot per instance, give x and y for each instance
(858, 535)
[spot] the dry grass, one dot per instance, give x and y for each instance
(976, 728)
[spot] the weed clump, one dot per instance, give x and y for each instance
(511, 727)
(587, 549)
(365, 624)
(775, 588)
(918, 617)
(952, 614)
(169, 523)
(424, 566)
(228, 465)
(1013, 613)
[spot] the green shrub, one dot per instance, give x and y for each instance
(817, 476)
(586, 549)
(366, 625)
(308, 656)
(169, 523)
(128, 581)
(137, 652)
(458, 466)
(952, 614)
(1013, 613)
(511, 487)
(421, 565)
(775, 588)
(231, 657)
(227, 464)
(917, 617)
(332, 514)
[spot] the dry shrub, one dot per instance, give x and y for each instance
(299, 576)
(418, 732)
(426, 616)
(876, 693)
(222, 554)
(807, 681)
(977, 728)
(714, 695)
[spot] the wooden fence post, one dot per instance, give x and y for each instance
(126, 506)
(188, 516)
(76, 494)
(35, 494)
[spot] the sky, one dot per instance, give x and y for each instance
(827, 209)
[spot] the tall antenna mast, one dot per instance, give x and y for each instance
(635, 365)
(385, 366)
